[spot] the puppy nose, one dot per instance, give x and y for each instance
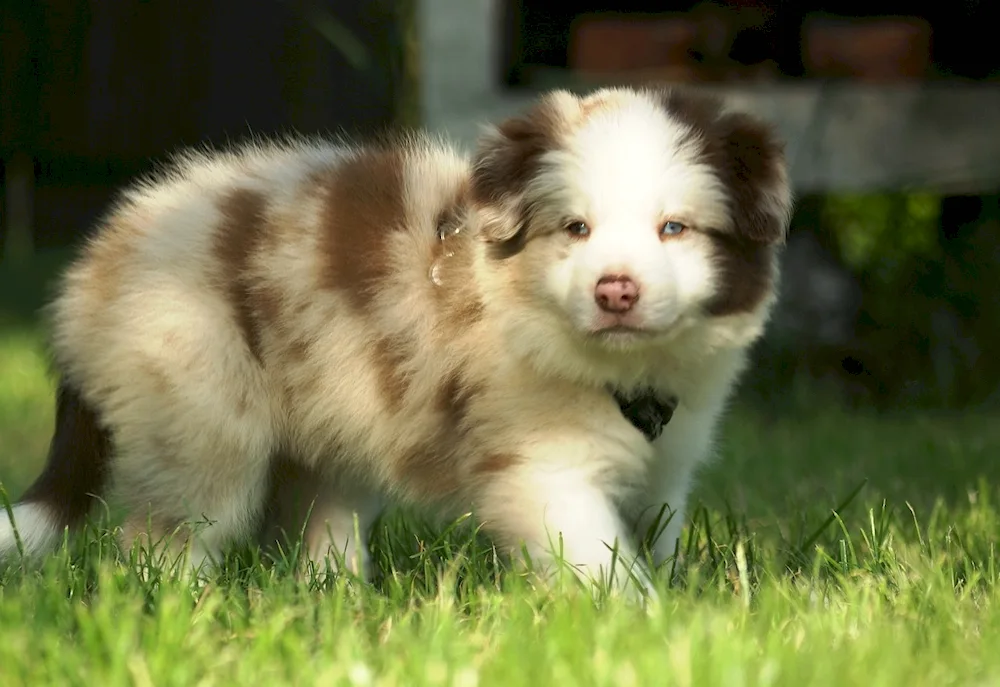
(616, 293)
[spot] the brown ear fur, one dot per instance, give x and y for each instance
(508, 157)
(753, 168)
(748, 158)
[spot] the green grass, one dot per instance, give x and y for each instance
(899, 587)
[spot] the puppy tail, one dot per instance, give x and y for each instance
(76, 471)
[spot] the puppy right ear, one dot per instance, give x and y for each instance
(508, 157)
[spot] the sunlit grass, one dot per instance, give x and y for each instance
(792, 577)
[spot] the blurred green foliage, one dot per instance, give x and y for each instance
(929, 316)
(883, 231)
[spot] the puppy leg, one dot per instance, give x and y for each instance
(661, 507)
(329, 512)
(193, 444)
(197, 494)
(660, 511)
(560, 513)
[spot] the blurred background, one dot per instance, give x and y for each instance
(891, 115)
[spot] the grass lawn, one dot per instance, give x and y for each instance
(899, 588)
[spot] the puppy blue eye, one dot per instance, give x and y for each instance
(671, 228)
(578, 229)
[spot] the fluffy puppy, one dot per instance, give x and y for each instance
(504, 335)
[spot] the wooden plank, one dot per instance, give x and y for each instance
(935, 136)
(939, 136)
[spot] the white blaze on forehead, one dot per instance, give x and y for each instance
(630, 163)
(624, 169)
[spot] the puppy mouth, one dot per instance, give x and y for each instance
(615, 329)
(624, 330)
(621, 333)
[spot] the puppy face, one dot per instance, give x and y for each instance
(629, 215)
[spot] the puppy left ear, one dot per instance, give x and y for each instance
(755, 170)
(508, 157)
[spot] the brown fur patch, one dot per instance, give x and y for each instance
(469, 312)
(389, 354)
(458, 298)
(509, 157)
(267, 306)
(239, 234)
(304, 387)
(747, 159)
(364, 203)
(454, 255)
(496, 462)
(453, 400)
(511, 246)
(78, 462)
(298, 350)
(459, 301)
(433, 466)
(745, 155)
(749, 164)
(452, 216)
(744, 273)
(699, 111)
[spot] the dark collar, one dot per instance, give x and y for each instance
(647, 412)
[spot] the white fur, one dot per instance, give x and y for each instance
(37, 528)
(624, 173)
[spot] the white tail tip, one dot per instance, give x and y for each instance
(37, 527)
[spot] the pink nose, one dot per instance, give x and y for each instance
(616, 293)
